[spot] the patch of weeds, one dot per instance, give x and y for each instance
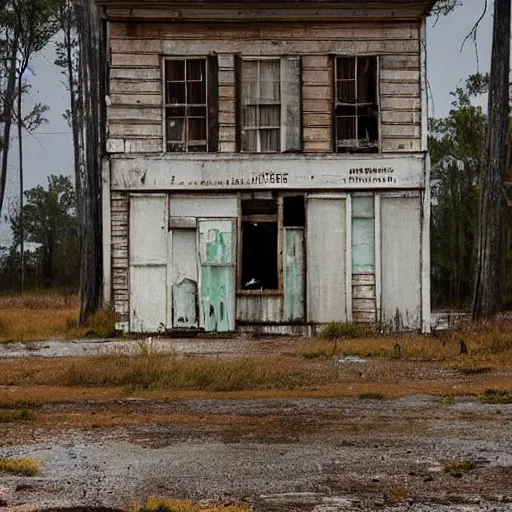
(447, 400)
(478, 370)
(397, 496)
(169, 505)
(315, 354)
(14, 416)
(337, 331)
(495, 396)
(371, 396)
(457, 468)
(102, 323)
(22, 467)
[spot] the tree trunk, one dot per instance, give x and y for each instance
(8, 111)
(491, 263)
(20, 161)
(93, 57)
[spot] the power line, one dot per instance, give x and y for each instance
(52, 133)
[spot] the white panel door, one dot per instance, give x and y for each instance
(401, 261)
(148, 263)
(326, 260)
(184, 278)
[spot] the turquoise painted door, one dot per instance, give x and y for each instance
(294, 274)
(217, 243)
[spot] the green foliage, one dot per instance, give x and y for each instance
(50, 225)
(338, 331)
(456, 145)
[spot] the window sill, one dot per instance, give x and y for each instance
(259, 293)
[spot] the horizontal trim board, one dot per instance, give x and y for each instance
(259, 172)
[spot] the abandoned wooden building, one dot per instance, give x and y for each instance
(266, 164)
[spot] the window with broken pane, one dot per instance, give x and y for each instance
(186, 118)
(357, 108)
(261, 106)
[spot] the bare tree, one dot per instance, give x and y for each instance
(68, 58)
(32, 23)
(8, 63)
(491, 263)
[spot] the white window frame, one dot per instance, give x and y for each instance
(258, 129)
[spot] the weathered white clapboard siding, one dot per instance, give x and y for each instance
(363, 298)
(135, 76)
(120, 257)
(400, 103)
(259, 308)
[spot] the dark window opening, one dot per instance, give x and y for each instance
(259, 207)
(294, 214)
(357, 109)
(186, 106)
(259, 256)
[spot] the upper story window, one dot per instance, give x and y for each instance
(357, 108)
(190, 105)
(270, 105)
(261, 106)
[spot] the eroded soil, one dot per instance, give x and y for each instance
(277, 454)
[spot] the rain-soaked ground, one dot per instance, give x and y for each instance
(276, 454)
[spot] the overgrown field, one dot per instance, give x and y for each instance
(47, 315)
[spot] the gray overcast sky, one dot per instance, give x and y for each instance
(51, 152)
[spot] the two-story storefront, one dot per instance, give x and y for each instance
(266, 164)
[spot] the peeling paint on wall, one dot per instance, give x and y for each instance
(216, 251)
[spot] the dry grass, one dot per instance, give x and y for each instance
(16, 415)
(38, 301)
(458, 468)
(169, 505)
(161, 371)
(28, 383)
(489, 347)
(21, 467)
(49, 316)
(495, 396)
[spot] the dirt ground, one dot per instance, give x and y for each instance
(276, 454)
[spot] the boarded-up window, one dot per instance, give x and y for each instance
(270, 105)
(357, 108)
(190, 105)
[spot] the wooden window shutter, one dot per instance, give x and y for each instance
(291, 112)
(332, 70)
(213, 103)
(238, 102)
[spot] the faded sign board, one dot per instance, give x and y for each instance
(224, 173)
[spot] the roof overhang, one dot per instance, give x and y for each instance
(267, 10)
